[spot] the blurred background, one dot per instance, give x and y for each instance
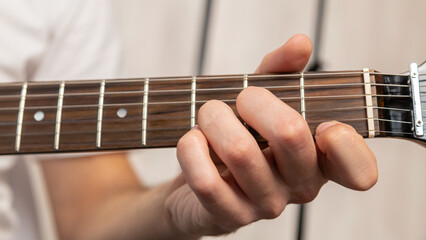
(162, 38)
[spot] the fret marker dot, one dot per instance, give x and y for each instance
(39, 116)
(122, 113)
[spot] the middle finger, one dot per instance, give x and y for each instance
(287, 134)
(237, 148)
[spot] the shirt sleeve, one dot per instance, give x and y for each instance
(84, 41)
(24, 38)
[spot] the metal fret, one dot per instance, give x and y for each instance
(100, 113)
(20, 116)
(145, 110)
(59, 115)
(245, 85)
(369, 103)
(302, 95)
(193, 99)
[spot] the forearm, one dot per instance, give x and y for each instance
(132, 215)
(99, 197)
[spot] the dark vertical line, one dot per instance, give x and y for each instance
(315, 65)
(204, 37)
(316, 62)
(301, 223)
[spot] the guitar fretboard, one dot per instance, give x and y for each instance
(155, 112)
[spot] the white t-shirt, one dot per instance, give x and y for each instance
(49, 40)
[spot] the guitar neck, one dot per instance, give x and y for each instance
(40, 117)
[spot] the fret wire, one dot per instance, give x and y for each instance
(193, 100)
(368, 102)
(59, 115)
(20, 117)
(302, 95)
(188, 128)
(100, 113)
(145, 110)
(245, 85)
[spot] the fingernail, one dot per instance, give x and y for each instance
(196, 127)
(324, 126)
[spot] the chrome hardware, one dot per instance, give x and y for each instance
(417, 104)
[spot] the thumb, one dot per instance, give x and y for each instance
(290, 57)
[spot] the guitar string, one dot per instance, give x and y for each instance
(187, 127)
(183, 129)
(199, 90)
(137, 142)
(137, 103)
(156, 118)
(307, 75)
(173, 139)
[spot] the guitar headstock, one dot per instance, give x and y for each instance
(402, 103)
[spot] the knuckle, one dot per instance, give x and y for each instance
(291, 133)
(239, 152)
(236, 220)
(205, 187)
(305, 193)
(242, 220)
(273, 208)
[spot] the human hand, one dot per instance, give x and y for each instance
(228, 181)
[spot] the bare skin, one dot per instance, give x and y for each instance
(227, 180)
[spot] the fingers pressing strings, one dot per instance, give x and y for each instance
(289, 137)
(239, 151)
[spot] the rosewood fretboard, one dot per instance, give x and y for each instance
(136, 113)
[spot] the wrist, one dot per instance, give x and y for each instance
(164, 226)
